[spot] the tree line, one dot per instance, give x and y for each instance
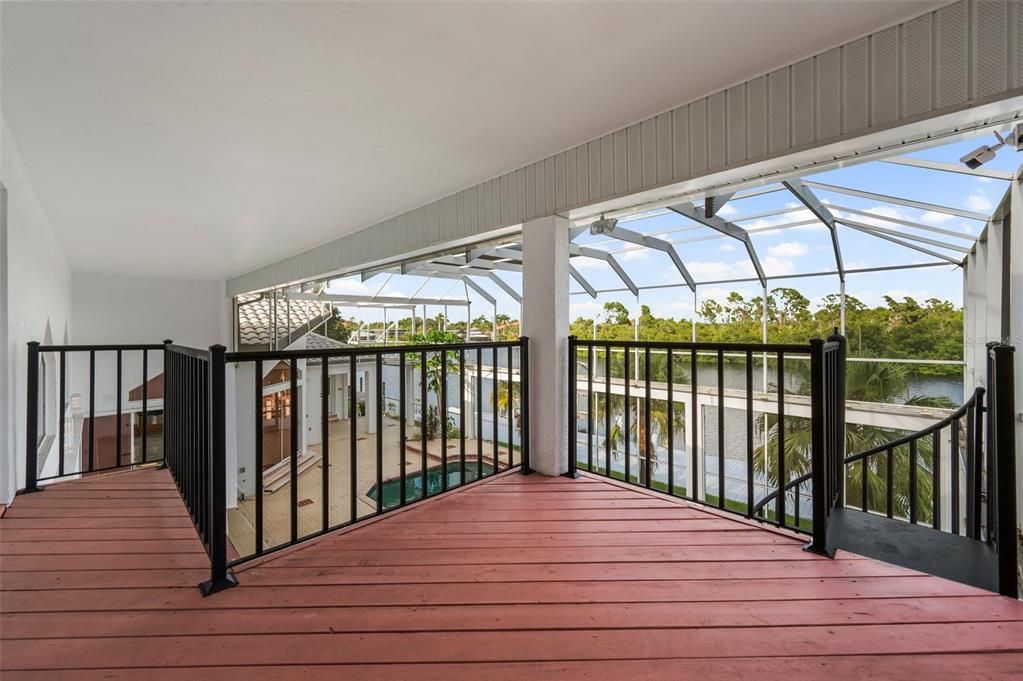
(902, 329)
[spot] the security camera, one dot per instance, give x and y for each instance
(979, 157)
(603, 225)
(1016, 139)
(983, 154)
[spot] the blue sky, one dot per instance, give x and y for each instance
(788, 251)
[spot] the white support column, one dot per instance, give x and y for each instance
(1015, 311)
(545, 322)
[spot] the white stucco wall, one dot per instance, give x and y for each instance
(37, 291)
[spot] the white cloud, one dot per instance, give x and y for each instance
(776, 267)
(934, 218)
(636, 254)
(727, 247)
(979, 203)
(353, 286)
(726, 210)
(788, 249)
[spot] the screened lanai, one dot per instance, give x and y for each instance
(901, 225)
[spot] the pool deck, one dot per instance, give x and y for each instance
(509, 579)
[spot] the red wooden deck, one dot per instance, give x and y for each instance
(516, 578)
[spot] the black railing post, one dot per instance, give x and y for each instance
(572, 409)
(524, 399)
(220, 578)
(1002, 463)
(838, 460)
(32, 422)
(818, 454)
(166, 401)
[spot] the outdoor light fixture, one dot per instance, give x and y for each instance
(603, 225)
(985, 153)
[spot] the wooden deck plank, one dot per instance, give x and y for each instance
(508, 646)
(972, 666)
(516, 578)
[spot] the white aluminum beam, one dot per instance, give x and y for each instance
(907, 223)
(369, 301)
(909, 203)
(903, 235)
(726, 228)
(581, 280)
(506, 287)
(600, 254)
(872, 232)
(814, 205)
(949, 167)
(628, 235)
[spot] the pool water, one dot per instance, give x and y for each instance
(434, 481)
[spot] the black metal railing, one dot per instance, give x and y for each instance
(196, 448)
(1001, 466)
(637, 396)
(70, 434)
(471, 422)
(886, 479)
(194, 409)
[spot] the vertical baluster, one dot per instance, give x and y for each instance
(461, 416)
(479, 413)
(524, 385)
(912, 481)
(889, 487)
(721, 428)
(971, 453)
(648, 448)
(607, 410)
(423, 414)
(671, 422)
(92, 410)
(936, 479)
(978, 469)
(864, 479)
(749, 434)
(379, 359)
(61, 414)
(511, 405)
(589, 408)
(954, 476)
(257, 472)
(145, 404)
(782, 473)
(353, 438)
(119, 446)
(627, 431)
(495, 430)
(442, 412)
(293, 470)
(694, 463)
(325, 445)
(573, 413)
(402, 432)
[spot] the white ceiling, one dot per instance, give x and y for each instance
(205, 140)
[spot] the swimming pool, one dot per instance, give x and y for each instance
(414, 482)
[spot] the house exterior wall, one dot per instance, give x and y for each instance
(37, 293)
(955, 58)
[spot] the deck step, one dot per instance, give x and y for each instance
(917, 547)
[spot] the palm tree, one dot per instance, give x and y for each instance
(883, 382)
(648, 435)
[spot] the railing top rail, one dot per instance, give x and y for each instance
(686, 345)
(185, 350)
(100, 348)
(270, 355)
(976, 399)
